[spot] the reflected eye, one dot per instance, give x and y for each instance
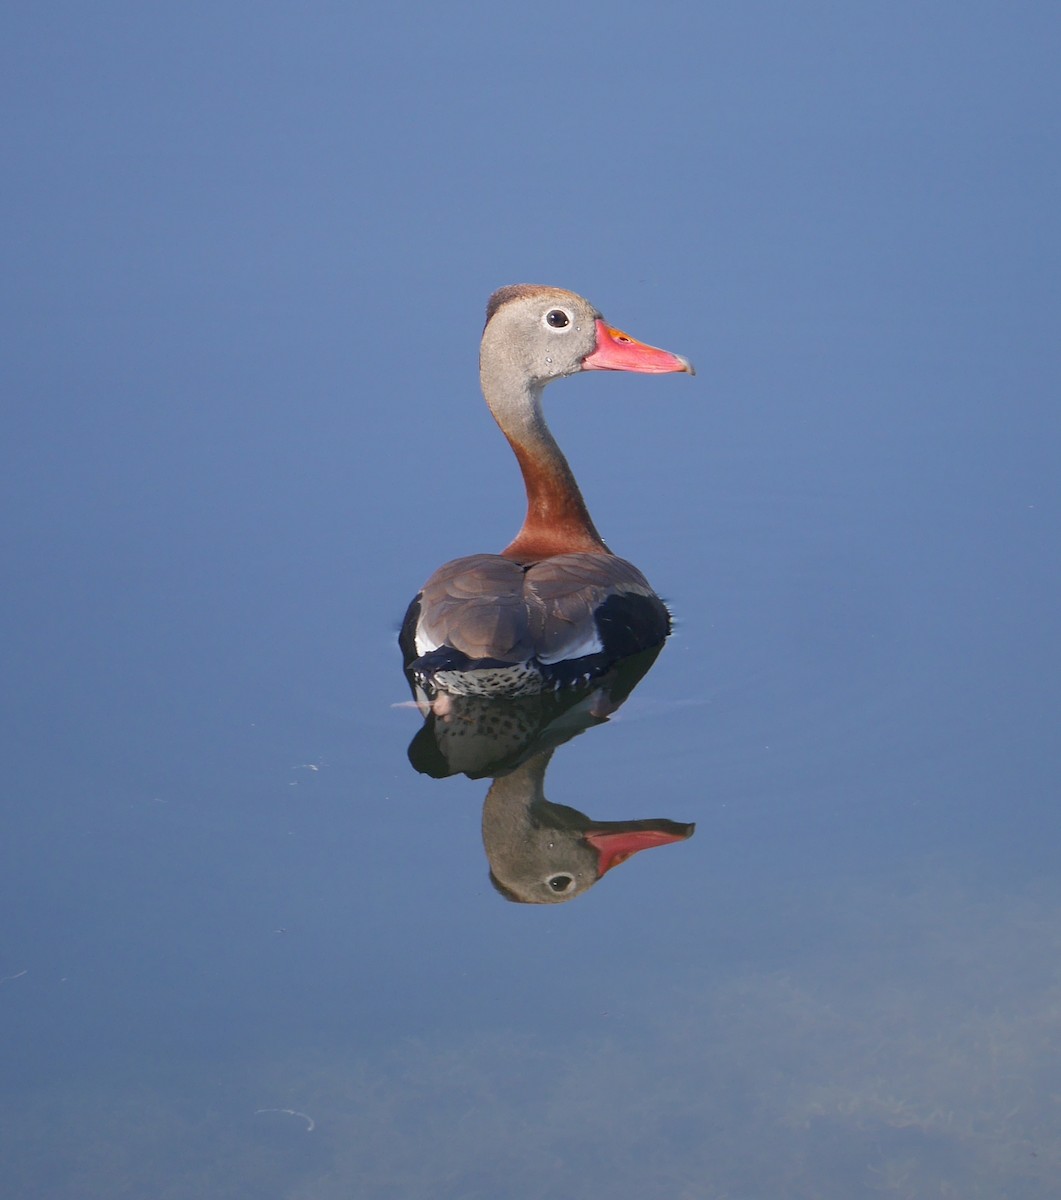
(556, 318)
(559, 883)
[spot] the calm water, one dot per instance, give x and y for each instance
(248, 949)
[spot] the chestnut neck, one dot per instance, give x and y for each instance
(557, 520)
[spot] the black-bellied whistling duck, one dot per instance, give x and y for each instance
(555, 608)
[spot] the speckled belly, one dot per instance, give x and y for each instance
(522, 679)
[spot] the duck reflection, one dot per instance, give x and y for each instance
(543, 853)
(539, 852)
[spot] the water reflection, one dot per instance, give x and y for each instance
(542, 853)
(539, 852)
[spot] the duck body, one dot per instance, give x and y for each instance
(488, 625)
(556, 608)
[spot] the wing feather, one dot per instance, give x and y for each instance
(564, 595)
(490, 607)
(475, 604)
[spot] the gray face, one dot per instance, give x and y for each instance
(548, 867)
(543, 332)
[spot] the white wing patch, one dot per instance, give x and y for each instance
(424, 645)
(589, 643)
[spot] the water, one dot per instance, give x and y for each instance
(230, 895)
(248, 949)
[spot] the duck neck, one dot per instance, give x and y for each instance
(557, 520)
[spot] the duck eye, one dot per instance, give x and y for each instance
(560, 883)
(557, 318)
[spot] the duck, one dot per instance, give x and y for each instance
(556, 608)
